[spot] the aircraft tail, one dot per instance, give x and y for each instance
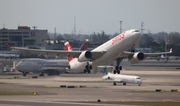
(170, 50)
(68, 48)
(8, 45)
(84, 46)
(105, 71)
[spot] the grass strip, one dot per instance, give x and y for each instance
(15, 93)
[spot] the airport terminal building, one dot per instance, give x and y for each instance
(22, 36)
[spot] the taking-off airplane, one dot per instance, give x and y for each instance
(114, 49)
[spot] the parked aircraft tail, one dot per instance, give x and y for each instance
(170, 50)
(8, 45)
(69, 48)
(84, 46)
(105, 71)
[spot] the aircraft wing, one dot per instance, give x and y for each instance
(95, 54)
(127, 54)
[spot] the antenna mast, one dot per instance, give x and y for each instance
(74, 26)
(142, 29)
(120, 26)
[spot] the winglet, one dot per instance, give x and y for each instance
(170, 50)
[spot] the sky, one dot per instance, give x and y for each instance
(91, 15)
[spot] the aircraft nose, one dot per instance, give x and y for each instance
(137, 33)
(139, 81)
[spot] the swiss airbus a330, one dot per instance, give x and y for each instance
(114, 49)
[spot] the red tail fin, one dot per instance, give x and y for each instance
(8, 45)
(84, 46)
(68, 48)
(170, 50)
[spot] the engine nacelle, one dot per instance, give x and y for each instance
(137, 57)
(84, 56)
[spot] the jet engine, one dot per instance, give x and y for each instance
(137, 57)
(84, 56)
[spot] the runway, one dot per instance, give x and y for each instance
(50, 92)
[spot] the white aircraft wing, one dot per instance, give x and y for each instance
(95, 54)
(127, 54)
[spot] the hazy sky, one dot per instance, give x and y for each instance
(91, 15)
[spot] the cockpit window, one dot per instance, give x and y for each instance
(138, 78)
(22, 60)
(135, 31)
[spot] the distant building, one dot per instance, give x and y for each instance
(22, 37)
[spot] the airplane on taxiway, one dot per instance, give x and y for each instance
(120, 78)
(114, 49)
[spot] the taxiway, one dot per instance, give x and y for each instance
(165, 77)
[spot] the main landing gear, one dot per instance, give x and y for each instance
(88, 68)
(41, 74)
(114, 83)
(118, 68)
(24, 73)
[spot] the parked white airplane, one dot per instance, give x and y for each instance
(163, 58)
(37, 65)
(51, 67)
(122, 79)
(8, 55)
(114, 49)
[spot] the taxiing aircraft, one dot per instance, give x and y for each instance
(122, 79)
(114, 49)
(51, 67)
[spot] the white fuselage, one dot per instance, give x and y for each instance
(9, 55)
(122, 78)
(39, 65)
(114, 47)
